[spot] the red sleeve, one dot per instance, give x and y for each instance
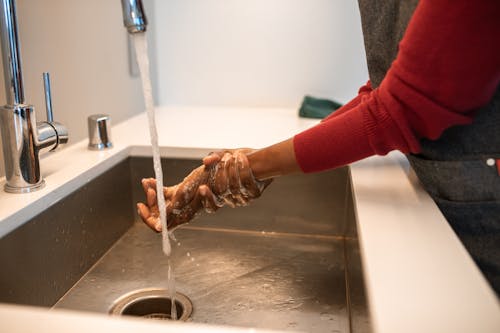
(363, 91)
(447, 65)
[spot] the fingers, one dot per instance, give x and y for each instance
(187, 190)
(232, 178)
(169, 192)
(246, 151)
(220, 180)
(227, 181)
(149, 219)
(184, 200)
(215, 157)
(204, 198)
(151, 199)
(211, 159)
(238, 192)
(186, 213)
(148, 183)
(247, 180)
(209, 200)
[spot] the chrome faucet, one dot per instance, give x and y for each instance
(134, 18)
(23, 138)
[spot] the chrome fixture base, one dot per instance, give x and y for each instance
(101, 146)
(28, 189)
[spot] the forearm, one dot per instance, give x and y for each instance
(273, 161)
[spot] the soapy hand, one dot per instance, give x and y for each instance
(182, 200)
(224, 178)
(232, 178)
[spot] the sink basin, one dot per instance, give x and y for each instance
(289, 261)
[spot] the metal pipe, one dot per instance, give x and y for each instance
(11, 54)
(48, 97)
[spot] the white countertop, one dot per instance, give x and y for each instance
(419, 277)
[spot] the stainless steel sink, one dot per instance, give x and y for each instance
(289, 261)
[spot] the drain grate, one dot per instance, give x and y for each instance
(152, 304)
(157, 316)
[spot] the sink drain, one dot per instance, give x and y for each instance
(153, 304)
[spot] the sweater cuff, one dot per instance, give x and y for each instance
(336, 142)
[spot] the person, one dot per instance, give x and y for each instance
(433, 94)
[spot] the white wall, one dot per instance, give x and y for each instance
(257, 52)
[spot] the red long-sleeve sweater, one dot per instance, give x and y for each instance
(448, 65)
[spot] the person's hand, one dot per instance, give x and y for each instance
(225, 178)
(183, 200)
(232, 178)
(149, 212)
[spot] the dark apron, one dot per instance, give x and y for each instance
(455, 168)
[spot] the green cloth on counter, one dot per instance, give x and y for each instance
(313, 107)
